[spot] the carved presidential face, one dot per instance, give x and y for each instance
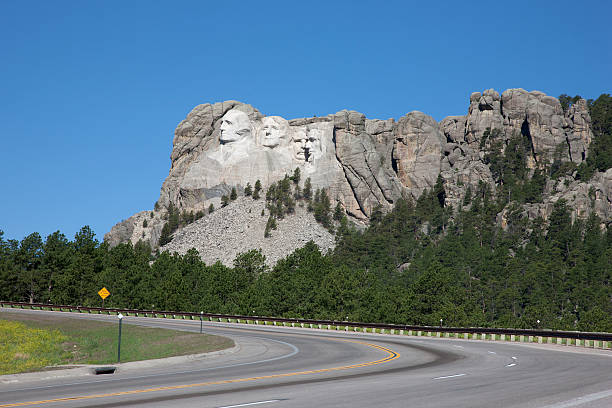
(313, 145)
(299, 141)
(235, 126)
(273, 130)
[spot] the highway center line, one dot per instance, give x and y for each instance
(391, 355)
(199, 370)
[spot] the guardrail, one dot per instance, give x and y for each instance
(575, 338)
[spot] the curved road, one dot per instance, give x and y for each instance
(274, 367)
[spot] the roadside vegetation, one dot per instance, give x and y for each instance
(33, 342)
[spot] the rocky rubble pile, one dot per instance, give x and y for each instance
(239, 227)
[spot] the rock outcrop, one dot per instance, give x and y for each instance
(361, 163)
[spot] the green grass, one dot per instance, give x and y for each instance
(35, 342)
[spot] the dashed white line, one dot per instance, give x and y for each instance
(511, 365)
(514, 358)
(250, 403)
(491, 352)
(449, 376)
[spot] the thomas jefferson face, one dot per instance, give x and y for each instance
(235, 126)
(272, 131)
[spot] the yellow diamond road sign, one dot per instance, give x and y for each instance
(103, 293)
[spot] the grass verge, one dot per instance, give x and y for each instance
(33, 342)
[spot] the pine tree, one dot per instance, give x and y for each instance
(233, 194)
(338, 212)
(165, 236)
(257, 190)
(297, 193)
(224, 201)
(248, 191)
(211, 208)
(173, 217)
(307, 193)
(296, 175)
(322, 208)
(270, 225)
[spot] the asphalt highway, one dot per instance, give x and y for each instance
(274, 367)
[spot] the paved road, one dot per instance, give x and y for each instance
(291, 367)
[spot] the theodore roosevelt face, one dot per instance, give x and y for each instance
(235, 126)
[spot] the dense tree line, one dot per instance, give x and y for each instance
(417, 265)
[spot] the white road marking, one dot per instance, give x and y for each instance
(581, 400)
(511, 365)
(459, 346)
(449, 376)
(250, 403)
(514, 358)
(491, 352)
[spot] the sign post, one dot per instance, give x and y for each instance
(201, 313)
(103, 294)
(120, 317)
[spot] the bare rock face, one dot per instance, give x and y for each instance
(553, 135)
(584, 198)
(579, 132)
(453, 128)
(365, 168)
(540, 118)
(361, 163)
(484, 113)
(417, 151)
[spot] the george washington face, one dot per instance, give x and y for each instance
(235, 126)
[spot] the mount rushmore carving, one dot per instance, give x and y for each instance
(361, 163)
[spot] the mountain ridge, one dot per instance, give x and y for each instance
(368, 164)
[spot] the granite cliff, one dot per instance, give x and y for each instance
(364, 164)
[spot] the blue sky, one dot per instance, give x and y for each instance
(91, 91)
